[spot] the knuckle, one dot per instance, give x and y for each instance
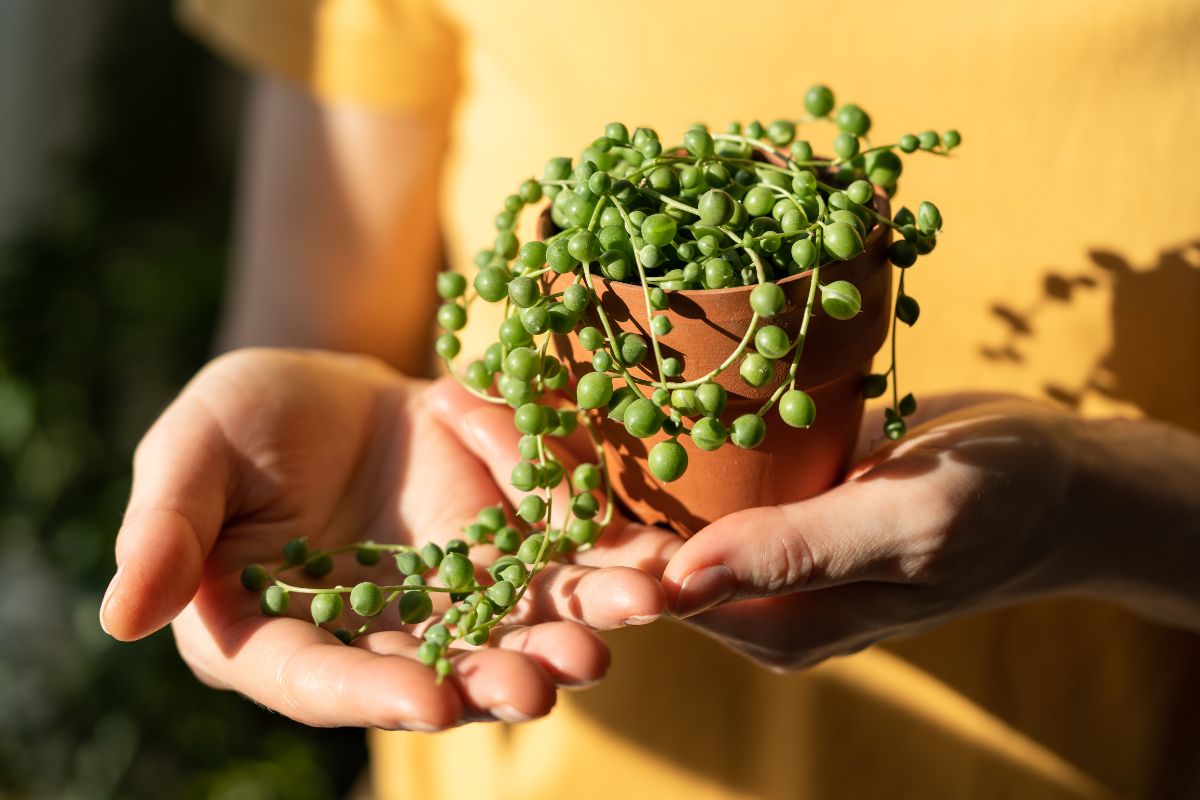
(286, 683)
(787, 559)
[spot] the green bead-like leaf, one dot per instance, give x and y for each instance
(456, 571)
(841, 300)
(254, 577)
(668, 461)
(275, 601)
(797, 409)
(502, 594)
(415, 607)
(326, 607)
(366, 599)
(907, 309)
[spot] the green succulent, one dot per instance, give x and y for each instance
(746, 207)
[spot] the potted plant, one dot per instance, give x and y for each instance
(706, 313)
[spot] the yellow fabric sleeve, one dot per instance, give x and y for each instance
(398, 54)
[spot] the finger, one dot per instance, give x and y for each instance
(850, 533)
(302, 671)
(631, 544)
(444, 507)
(571, 654)
(503, 684)
(491, 683)
(603, 599)
(488, 432)
(182, 478)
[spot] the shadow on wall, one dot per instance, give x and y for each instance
(1155, 322)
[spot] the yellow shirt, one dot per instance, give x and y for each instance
(1070, 268)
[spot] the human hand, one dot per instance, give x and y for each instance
(974, 509)
(990, 501)
(487, 430)
(264, 446)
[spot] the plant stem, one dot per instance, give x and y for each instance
(608, 332)
(602, 464)
(801, 337)
(664, 199)
(755, 143)
(637, 260)
(892, 369)
(395, 587)
(741, 348)
(491, 398)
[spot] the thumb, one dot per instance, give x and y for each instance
(182, 475)
(487, 431)
(846, 534)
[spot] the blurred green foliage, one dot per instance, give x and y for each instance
(106, 307)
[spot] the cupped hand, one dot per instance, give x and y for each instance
(625, 545)
(264, 446)
(968, 512)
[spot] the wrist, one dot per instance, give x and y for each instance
(1136, 513)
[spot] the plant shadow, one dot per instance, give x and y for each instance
(1152, 361)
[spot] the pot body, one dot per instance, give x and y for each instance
(792, 463)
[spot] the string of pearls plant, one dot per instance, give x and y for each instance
(745, 207)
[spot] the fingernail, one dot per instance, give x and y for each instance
(641, 619)
(421, 727)
(509, 714)
(703, 589)
(108, 595)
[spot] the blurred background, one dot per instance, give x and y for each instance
(117, 136)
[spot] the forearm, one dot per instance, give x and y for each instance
(337, 243)
(1137, 483)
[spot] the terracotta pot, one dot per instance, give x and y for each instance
(791, 464)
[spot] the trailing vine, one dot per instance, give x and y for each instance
(746, 207)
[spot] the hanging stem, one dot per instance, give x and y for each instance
(658, 359)
(801, 338)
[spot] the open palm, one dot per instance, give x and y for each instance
(265, 446)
